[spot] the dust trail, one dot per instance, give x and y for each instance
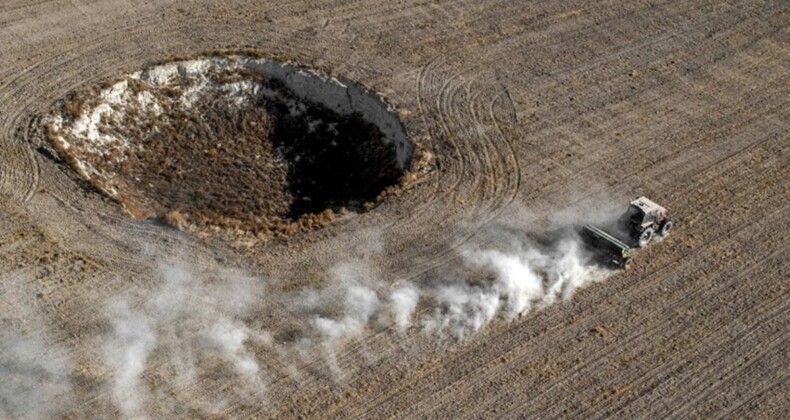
(402, 304)
(519, 281)
(517, 272)
(126, 352)
(355, 301)
(525, 265)
(360, 305)
(461, 309)
(363, 310)
(194, 324)
(34, 374)
(192, 327)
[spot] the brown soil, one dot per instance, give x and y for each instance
(216, 162)
(526, 108)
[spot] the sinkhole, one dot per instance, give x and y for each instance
(233, 141)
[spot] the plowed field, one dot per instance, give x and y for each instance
(524, 115)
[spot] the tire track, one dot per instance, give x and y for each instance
(549, 49)
(665, 328)
(741, 150)
(759, 392)
(754, 354)
(632, 296)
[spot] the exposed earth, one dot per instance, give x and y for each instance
(522, 115)
(217, 142)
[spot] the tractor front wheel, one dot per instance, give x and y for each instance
(665, 228)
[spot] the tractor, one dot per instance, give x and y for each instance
(643, 220)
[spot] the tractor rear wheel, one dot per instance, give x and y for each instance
(645, 237)
(626, 263)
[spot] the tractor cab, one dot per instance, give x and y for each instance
(643, 218)
(643, 212)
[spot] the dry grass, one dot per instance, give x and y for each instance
(252, 169)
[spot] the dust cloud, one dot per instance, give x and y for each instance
(36, 371)
(516, 282)
(192, 321)
(516, 272)
(190, 326)
(35, 374)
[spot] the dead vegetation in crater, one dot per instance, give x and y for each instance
(231, 158)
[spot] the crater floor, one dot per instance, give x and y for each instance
(227, 141)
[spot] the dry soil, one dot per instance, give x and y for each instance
(526, 108)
